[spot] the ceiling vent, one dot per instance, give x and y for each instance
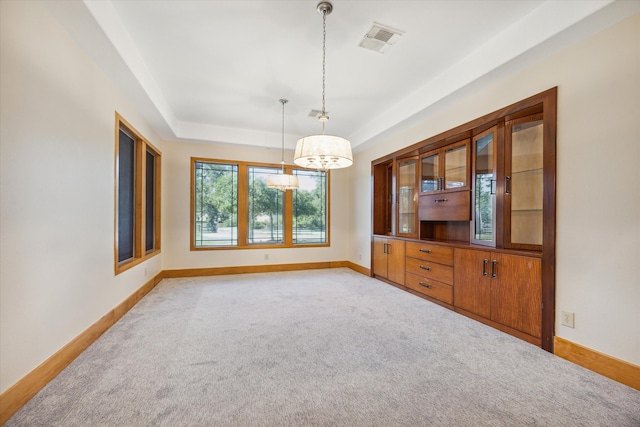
(380, 38)
(316, 113)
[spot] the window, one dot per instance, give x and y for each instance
(137, 206)
(266, 206)
(216, 204)
(310, 207)
(232, 206)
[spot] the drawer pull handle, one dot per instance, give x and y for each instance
(424, 285)
(440, 200)
(425, 268)
(426, 251)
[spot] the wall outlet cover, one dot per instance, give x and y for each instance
(568, 319)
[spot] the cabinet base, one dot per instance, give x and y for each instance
(513, 332)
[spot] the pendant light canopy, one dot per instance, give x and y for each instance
(282, 181)
(323, 151)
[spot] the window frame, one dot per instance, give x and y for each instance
(243, 209)
(141, 147)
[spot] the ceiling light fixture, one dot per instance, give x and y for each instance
(323, 151)
(282, 181)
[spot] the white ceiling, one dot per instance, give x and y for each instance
(215, 70)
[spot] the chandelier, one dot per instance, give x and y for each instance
(323, 151)
(282, 181)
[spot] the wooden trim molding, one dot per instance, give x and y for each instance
(22, 391)
(217, 271)
(616, 369)
(359, 269)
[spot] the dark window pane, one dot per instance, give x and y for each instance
(216, 204)
(150, 205)
(126, 199)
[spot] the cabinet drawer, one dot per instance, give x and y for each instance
(455, 206)
(428, 252)
(429, 287)
(430, 270)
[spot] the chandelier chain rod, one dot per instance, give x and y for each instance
(283, 101)
(324, 50)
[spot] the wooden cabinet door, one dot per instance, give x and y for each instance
(380, 256)
(472, 287)
(524, 183)
(455, 170)
(407, 191)
(395, 261)
(516, 292)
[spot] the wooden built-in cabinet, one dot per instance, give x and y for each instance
(475, 207)
(501, 287)
(430, 270)
(389, 259)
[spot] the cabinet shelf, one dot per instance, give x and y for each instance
(528, 171)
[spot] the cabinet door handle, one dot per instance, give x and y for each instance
(507, 185)
(388, 248)
(425, 268)
(426, 251)
(424, 285)
(440, 200)
(485, 262)
(494, 268)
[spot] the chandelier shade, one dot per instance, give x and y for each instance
(323, 152)
(282, 182)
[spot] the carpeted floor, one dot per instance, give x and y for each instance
(316, 348)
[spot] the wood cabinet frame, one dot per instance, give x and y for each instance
(544, 103)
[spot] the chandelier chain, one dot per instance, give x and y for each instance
(283, 101)
(324, 50)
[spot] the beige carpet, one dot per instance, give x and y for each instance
(316, 348)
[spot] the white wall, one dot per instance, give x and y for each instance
(57, 142)
(176, 202)
(598, 181)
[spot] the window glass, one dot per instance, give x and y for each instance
(216, 204)
(266, 222)
(150, 197)
(310, 207)
(126, 196)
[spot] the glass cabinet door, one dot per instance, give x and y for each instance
(407, 196)
(484, 188)
(455, 167)
(524, 182)
(430, 173)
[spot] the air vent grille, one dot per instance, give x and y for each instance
(380, 38)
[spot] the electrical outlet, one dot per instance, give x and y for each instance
(359, 257)
(568, 319)
(266, 257)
